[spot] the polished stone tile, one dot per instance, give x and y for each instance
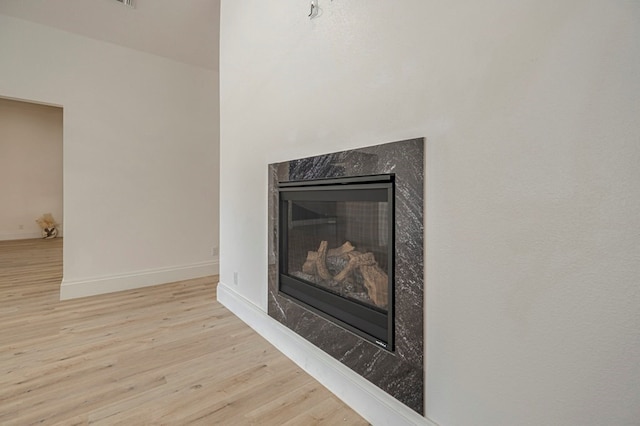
(401, 372)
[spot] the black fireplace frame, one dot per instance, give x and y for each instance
(370, 323)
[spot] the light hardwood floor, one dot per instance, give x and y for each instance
(168, 354)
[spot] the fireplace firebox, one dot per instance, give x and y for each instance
(336, 244)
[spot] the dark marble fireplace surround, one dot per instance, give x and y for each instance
(399, 373)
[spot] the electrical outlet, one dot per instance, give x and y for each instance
(215, 251)
(235, 277)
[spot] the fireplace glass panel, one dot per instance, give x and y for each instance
(362, 227)
(336, 251)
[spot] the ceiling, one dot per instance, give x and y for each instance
(186, 31)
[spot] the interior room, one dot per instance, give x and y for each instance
(30, 168)
(323, 212)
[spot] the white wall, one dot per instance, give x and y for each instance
(140, 155)
(30, 167)
(530, 110)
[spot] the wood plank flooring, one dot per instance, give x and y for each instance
(168, 354)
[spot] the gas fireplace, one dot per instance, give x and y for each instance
(346, 258)
(336, 251)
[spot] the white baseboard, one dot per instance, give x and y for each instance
(20, 236)
(372, 403)
(72, 289)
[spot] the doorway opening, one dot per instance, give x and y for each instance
(31, 170)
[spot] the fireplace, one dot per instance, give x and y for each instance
(337, 250)
(365, 204)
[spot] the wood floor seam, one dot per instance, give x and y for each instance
(168, 355)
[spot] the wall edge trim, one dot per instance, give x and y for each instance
(11, 236)
(371, 402)
(73, 289)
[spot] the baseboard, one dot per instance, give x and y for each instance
(20, 236)
(73, 289)
(375, 405)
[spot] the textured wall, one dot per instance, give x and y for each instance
(530, 110)
(140, 153)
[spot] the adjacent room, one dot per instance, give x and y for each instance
(320, 212)
(30, 169)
